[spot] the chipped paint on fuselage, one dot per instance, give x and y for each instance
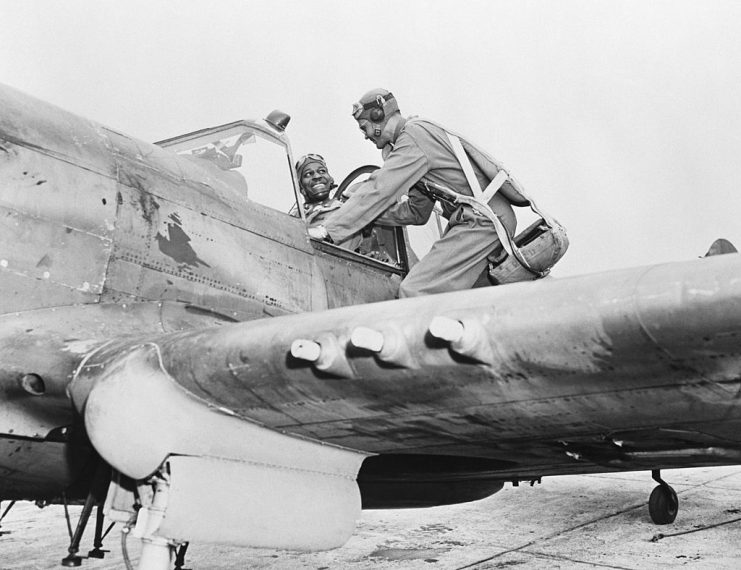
(107, 200)
(94, 224)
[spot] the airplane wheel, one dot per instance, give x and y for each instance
(663, 504)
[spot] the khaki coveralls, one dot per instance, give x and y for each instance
(421, 150)
(317, 211)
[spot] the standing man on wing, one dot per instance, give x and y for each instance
(417, 150)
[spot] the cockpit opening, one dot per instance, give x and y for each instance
(254, 158)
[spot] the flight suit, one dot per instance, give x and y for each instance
(317, 211)
(421, 151)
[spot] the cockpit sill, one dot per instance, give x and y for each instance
(336, 251)
(254, 157)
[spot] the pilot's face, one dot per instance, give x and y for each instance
(316, 182)
(368, 130)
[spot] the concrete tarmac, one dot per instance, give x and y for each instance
(577, 522)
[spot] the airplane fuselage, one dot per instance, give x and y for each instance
(155, 312)
(103, 236)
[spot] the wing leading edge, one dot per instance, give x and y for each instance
(624, 370)
(208, 475)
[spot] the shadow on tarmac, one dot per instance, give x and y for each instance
(594, 521)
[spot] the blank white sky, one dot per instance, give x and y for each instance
(621, 118)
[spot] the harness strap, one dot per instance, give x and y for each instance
(460, 154)
(496, 183)
(480, 201)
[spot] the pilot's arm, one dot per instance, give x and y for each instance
(414, 211)
(315, 218)
(403, 167)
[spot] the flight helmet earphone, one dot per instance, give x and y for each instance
(374, 106)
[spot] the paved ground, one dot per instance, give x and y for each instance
(598, 521)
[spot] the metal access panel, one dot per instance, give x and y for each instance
(56, 224)
(168, 250)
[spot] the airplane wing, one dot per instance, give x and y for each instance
(276, 432)
(254, 433)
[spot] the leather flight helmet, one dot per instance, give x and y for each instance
(314, 194)
(376, 105)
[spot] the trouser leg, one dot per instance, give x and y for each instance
(456, 260)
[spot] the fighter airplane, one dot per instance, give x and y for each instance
(177, 351)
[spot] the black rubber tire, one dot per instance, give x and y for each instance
(663, 505)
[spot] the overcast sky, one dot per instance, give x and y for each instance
(622, 118)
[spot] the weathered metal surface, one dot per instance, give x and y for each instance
(346, 280)
(115, 244)
(51, 343)
(41, 450)
(143, 223)
(92, 216)
(36, 470)
(41, 248)
(47, 188)
(50, 213)
(165, 250)
(29, 122)
(290, 508)
(563, 369)
(301, 493)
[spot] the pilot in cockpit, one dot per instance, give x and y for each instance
(317, 186)
(320, 199)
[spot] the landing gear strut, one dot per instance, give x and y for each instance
(5, 512)
(98, 551)
(180, 556)
(95, 497)
(663, 503)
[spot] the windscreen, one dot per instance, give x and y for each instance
(254, 162)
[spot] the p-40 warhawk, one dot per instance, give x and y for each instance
(176, 351)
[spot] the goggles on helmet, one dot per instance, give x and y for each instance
(379, 102)
(357, 109)
(306, 159)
